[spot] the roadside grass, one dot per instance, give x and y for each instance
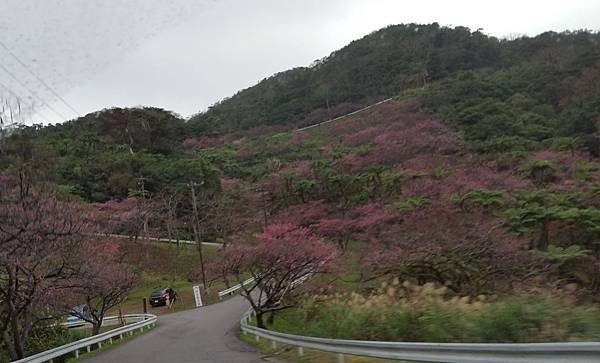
(428, 316)
(166, 259)
(349, 276)
(289, 353)
(61, 336)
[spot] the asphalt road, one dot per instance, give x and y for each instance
(206, 334)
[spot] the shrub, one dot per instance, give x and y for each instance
(428, 314)
(411, 203)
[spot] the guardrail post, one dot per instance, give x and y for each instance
(99, 345)
(340, 358)
(120, 336)
(257, 338)
(88, 348)
(300, 351)
(274, 344)
(76, 353)
(110, 341)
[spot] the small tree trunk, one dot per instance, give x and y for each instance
(260, 321)
(96, 328)
(169, 232)
(20, 349)
(17, 338)
(542, 243)
(9, 346)
(226, 280)
(271, 318)
(225, 242)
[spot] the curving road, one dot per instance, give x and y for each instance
(206, 334)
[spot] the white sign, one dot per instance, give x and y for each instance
(197, 296)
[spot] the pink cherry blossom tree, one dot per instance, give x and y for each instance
(40, 238)
(103, 282)
(360, 223)
(285, 256)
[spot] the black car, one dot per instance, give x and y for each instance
(162, 296)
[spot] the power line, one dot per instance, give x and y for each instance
(39, 79)
(18, 98)
(32, 92)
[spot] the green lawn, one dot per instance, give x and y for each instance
(167, 265)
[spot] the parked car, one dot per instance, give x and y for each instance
(75, 315)
(162, 295)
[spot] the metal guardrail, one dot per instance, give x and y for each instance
(168, 240)
(146, 321)
(108, 319)
(344, 116)
(234, 288)
(435, 352)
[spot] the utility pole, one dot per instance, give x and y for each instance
(143, 193)
(196, 228)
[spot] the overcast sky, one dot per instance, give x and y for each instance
(184, 55)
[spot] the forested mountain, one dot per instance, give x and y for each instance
(380, 65)
(552, 71)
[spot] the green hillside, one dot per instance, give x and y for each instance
(502, 96)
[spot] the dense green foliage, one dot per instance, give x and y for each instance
(109, 154)
(523, 320)
(550, 100)
(47, 337)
